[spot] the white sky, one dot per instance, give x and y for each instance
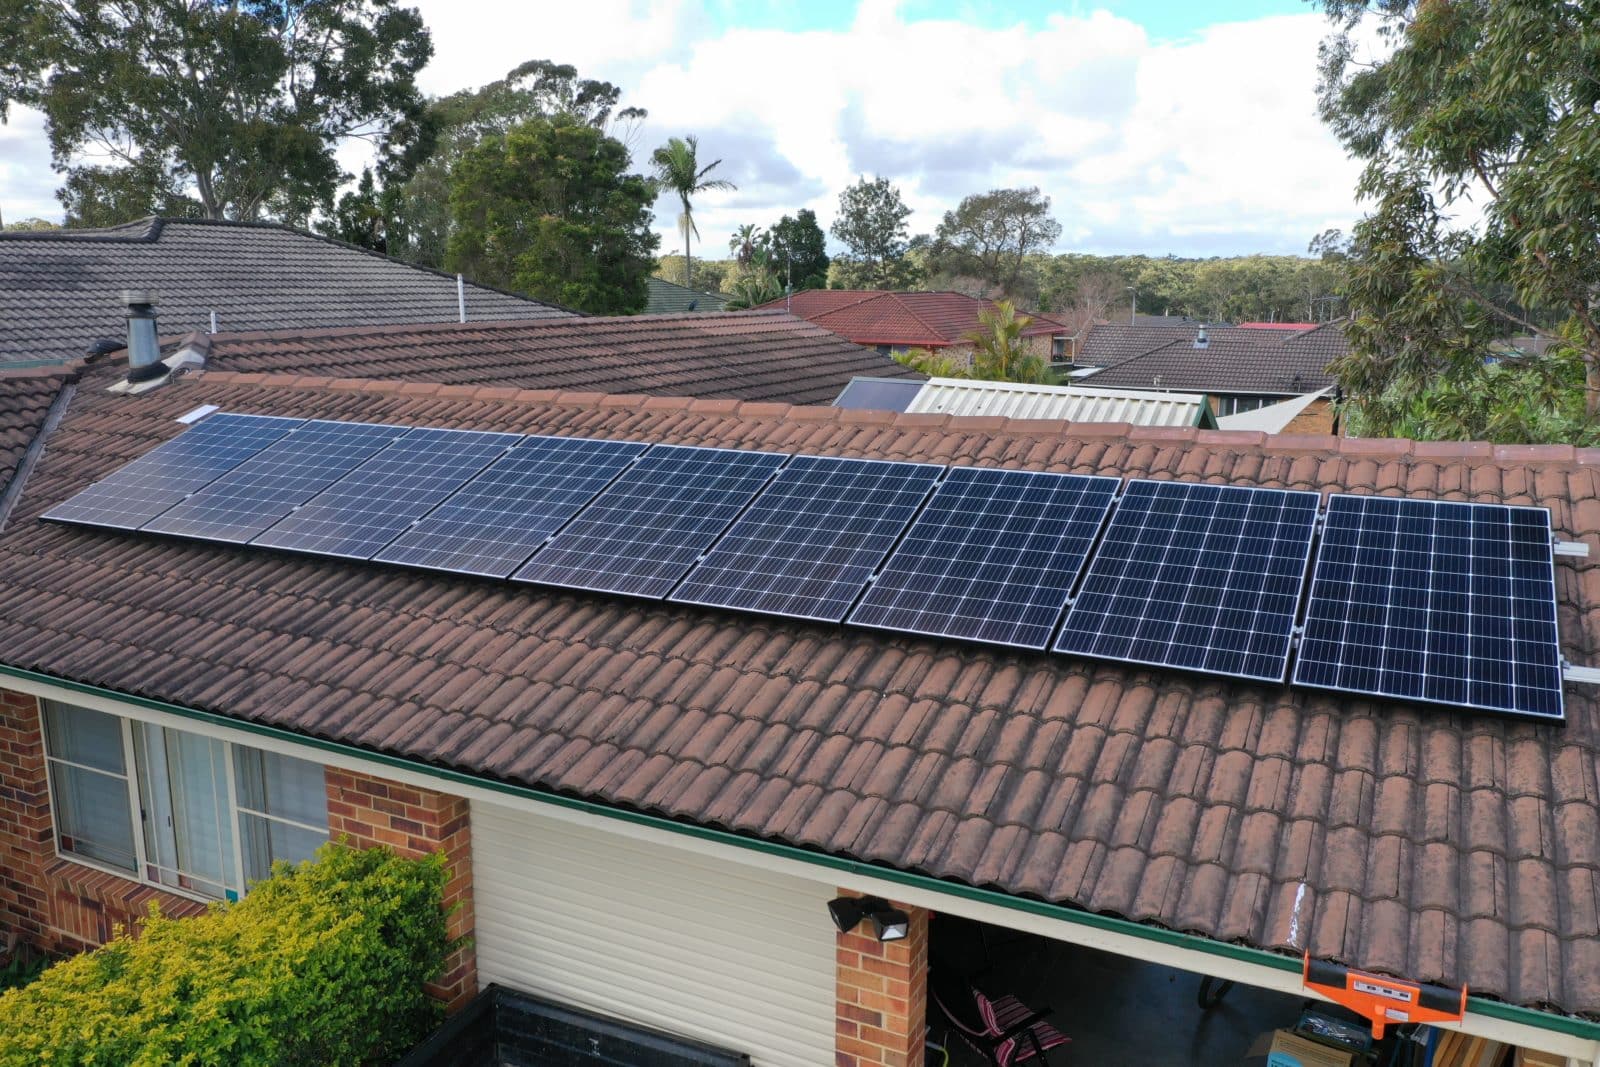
(1206, 143)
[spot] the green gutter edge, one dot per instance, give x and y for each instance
(1494, 1009)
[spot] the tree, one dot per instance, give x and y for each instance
(744, 243)
(990, 235)
(360, 217)
(800, 250)
(678, 170)
(872, 224)
(30, 225)
(109, 196)
(548, 209)
(417, 206)
(1092, 296)
(239, 105)
(999, 351)
(1476, 100)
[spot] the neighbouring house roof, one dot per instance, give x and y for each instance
(1108, 343)
(60, 290)
(671, 298)
(1014, 400)
(743, 355)
(25, 400)
(1236, 360)
(1422, 843)
(1294, 327)
(882, 317)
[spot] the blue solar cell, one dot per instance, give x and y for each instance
(810, 541)
(1437, 601)
(134, 494)
(501, 517)
(647, 530)
(1202, 577)
(373, 504)
(268, 485)
(993, 557)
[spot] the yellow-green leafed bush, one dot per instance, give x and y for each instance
(320, 964)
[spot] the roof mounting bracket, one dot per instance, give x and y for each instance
(1581, 675)
(1570, 548)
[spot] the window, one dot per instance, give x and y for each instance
(175, 808)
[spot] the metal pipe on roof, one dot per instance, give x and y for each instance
(461, 298)
(213, 321)
(144, 350)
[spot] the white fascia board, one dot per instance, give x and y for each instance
(1580, 1052)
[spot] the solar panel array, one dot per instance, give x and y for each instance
(1432, 601)
(807, 546)
(1201, 577)
(1436, 601)
(993, 557)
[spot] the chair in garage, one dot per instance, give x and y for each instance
(1006, 1031)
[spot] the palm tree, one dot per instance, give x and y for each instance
(999, 352)
(678, 169)
(743, 243)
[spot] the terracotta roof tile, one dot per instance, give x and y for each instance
(1438, 846)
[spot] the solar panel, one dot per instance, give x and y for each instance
(136, 493)
(497, 520)
(993, 557)
(373, 504)
(1438, 601)
(265, 487)
(1201, 577)
(647, 530)
(810, 541)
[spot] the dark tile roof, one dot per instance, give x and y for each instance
(743, 355)
(885, 317)
(668, 298)
(25, 400)
(60, 290)
(1235, 360)
(1109, 343)
(1427, 844)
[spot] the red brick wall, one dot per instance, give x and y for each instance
(881, 995)
(415, 822)
(52, 903)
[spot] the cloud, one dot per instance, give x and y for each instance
(27, 184)
(1201, 146)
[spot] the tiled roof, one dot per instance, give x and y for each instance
(60, 290)
(882, 317)
(743, 355)
(1422, 843)
(1109, 343)
(25, 400)
(1235, 360)
(671, 298)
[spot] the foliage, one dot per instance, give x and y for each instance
(1481, 102)
(21, 969)
(30, 225)
(416, 210)
(359, 217)
(1515, 401)
(756, 286)
(934, 364)
(548, 209)
(710, 275)
(678, 170)
(999, 351)
(1235, 289)
(872, 225)
(847, 272)
(110, 196)
(800, 250)
(746, 241)
(240, 105)
(322, 963)
(990, 235)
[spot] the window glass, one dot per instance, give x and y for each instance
(281, 785)
(267, 840)
(188, 824)
(94, 814)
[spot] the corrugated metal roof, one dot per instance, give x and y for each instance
(959, 396)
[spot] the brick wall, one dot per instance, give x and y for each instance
(1317, 418)
(51, 903)
(415, 822)
(881, 995)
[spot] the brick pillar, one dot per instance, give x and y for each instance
(26, 835)
(414, 822)
(881, 995)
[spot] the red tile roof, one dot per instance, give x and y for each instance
(1420, 843)
(25, 400)
(882, 317)
(741, 355)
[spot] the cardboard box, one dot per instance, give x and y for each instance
(1529, 1058)
(1289, 1049)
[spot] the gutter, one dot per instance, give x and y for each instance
(1568, 1025)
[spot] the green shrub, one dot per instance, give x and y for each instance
(320, 964)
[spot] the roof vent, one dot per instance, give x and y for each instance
(1200, 338)
(104, 346)
(144, 351)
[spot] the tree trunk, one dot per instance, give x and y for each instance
(1591, 394)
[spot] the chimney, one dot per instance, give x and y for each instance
(144, 351)
(1200, 338)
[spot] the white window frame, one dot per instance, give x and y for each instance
(133, 772)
